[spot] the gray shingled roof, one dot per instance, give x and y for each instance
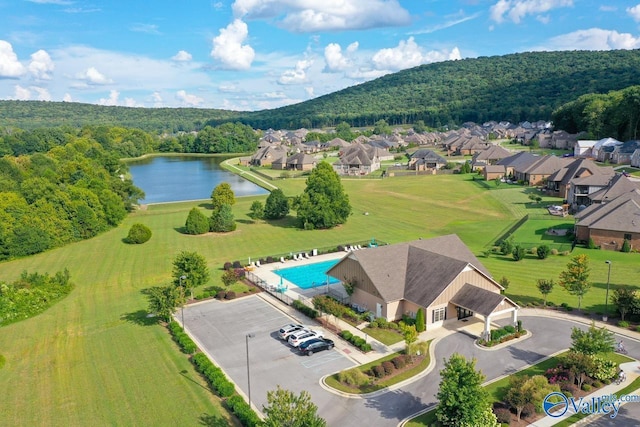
(477, 299)
(621, 214)
(418, 271)
(618, 185)
(578, 167)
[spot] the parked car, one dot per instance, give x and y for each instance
(315, 345)
(288, 329)
(301, 336)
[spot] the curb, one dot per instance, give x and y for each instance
(500, 346)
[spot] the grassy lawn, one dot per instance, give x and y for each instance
(94, 359)
(385, 336)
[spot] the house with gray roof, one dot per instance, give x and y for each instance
(490, 156)
(426, 159)
(265, 156)
(610, 224)
(358, 159)
(621, 154)
(635, 159)
(439, 275)
(559, 183)
(298, 162)
(539, 170)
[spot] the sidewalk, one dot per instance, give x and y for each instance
(631, 369)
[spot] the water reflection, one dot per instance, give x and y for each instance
(177, 178)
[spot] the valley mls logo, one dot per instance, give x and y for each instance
(557, 404)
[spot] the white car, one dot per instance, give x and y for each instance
(288, 329)
(304, 335)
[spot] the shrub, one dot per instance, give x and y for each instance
(353, 377)
(623, 324)
(591, 244)
(236, 264)
(138, 234)
(597, 384)
(221, 295)
(543, 252)
(243, 411)
(228, 265)
(304, 309)
(230, 295)
(510, 329)
(399, 362)
(346, 335)
(626, 246)
(373, 324)
(603, 369)
(554, 251)
(586, 387)
(366, 347)
(503, 415)
(638, 328)
(270, 259)
(566, 253)
(197, 222)
(569, 388)
(528, 410)
(378, 371)
(388, 367)
(519, 326)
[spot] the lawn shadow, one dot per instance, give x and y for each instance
(245, 221)
(286, 222)
(140, 317)
(213, 421)
(206, 205)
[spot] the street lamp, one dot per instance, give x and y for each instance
(606, 298)
(182, 297)
(249, 335)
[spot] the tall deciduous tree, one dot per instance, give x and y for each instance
(625, 300)
(575, 279)
(193, 267)
(593, 341)
(524, 390)
(277, 205)
(462, 399)
(285, 408)
(222, 195)
(323, 204)
(163, 300)
(545, 286)
(256, 211)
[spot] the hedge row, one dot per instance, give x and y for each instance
(243, 411)
(214, 375)
(184, 341)
(356, 340)
(304, 309)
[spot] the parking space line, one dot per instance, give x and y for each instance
(318, 360)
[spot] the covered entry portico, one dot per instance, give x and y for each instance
(471, 301)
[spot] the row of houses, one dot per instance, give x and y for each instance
(609, 150)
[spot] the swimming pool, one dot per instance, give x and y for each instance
(310, 275)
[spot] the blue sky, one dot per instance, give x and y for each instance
(258, 54)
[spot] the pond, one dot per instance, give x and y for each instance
(181, 178)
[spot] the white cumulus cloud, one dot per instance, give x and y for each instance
(22, 93)
(592, 39)
(228, 47)
(516, 10)
(634, 12)
(334, 59)
(92, 76)
(325, 15)
(67, 97)
(188, 99)
(41, 65)
(182, 56)
(298, 74)
(9, 65)
(409, 54)
(43, 94)
(111, 100)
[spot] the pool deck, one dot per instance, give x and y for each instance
(266, 273)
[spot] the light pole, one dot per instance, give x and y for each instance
(606, 297)
(182, 297)
(249, 335)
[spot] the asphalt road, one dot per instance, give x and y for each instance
(221, 329)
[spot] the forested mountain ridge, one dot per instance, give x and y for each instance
(516, 87)
(37, 114)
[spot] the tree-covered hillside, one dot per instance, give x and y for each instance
(37, 114)
(517, 87)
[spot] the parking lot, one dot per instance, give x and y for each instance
(221, 329)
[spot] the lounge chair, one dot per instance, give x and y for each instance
(258, 264)
(296, 257)
(359, 247)
(314, 252)
(306, 255)
(281, 259)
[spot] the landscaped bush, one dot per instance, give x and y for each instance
(554, 251)
(623, 324)
(378, 371)
(543, 252)
(399, 362)
(528, 410)
(270, 259)
(228, 265)
(304, 309)
(503, 415)
(366, 347)
(388, 367)
(597, 384)
(346, 335)
(138, 234)
(243, 411)
(230, 295)
(626, 246)
(586, 387)
(353, 377)
(221, 295)
(510, 329)
(568, 388)
(603, 369)
(236, 264)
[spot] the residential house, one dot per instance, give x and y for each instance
(621, 154)
(426, 159)
(617, 186)
(536, 173)
(518, 160)
(473, 145)
(582, 189)
(491, 172)
(439, 275)
(602, 149)
(558, 183)
(490, 156)
(298, 162)
(357, 159)
(611, 223)
(265, 156)
(635, 159)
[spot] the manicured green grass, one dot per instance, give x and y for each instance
(385, 336)
(95, 359)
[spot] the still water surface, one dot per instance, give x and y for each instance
(178, 178)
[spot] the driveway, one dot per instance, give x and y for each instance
(221, 328)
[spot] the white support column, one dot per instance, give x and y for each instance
(514, 316)
(487, 327)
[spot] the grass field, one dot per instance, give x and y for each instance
(94, 359)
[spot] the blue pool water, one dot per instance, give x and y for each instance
(310, 275)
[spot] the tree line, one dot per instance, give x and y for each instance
(516, 87)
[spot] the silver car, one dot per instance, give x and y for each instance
(289, 329)
(301, 336)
